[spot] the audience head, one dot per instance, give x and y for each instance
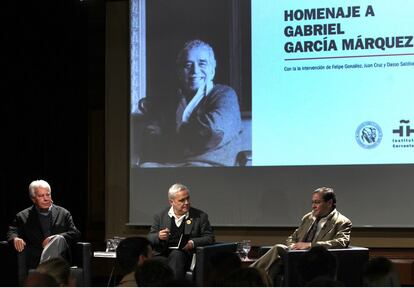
(247, 277)
(220, 265)
(323, 281)
(41, 194)
(38, 279)
(154, 272)
(380, 271)
(59, 269)
(132, 252)
(317, 262)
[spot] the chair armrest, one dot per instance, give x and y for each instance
(15, 270)
(262, 250)
(82, 255)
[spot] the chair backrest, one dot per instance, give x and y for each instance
(351, 262)
(203, 255)
(244, 157)
(246, 135)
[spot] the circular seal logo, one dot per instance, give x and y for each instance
(368, 135)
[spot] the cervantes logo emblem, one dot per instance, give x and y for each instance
(368, 135)
(404, 132)
(403, 136)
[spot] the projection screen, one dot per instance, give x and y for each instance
(324, 99)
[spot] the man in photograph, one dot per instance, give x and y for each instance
(203, 127)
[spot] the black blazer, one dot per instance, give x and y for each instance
(197, 225)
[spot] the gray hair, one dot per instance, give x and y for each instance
(196, 44)
(38, 184)
(174, 189)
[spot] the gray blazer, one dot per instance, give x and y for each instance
(197, 225)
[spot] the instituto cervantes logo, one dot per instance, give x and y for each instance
(404, 129)
(368, 135)
(403, 136)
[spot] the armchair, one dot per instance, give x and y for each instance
(16, 271)
(351, 262)
(244, 157)
(203, 255)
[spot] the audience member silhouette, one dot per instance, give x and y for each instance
(324, 281)
(59, 269)
(380, 271)
(38, 279)
(154, 273)
(248, 277)
(220, 265)
(131, 253)
(317, 262)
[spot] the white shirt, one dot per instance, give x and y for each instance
(201, 93)
(178, 219)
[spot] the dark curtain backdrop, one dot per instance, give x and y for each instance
(44, 105)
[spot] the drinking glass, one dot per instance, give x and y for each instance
(112, 243)
(240, 251)
(246, 246)
(117, 239)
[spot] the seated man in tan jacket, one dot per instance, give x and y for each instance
(323, 226)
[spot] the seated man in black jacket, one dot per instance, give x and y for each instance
(43, 230)
(179, 221)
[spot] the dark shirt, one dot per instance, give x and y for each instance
(45, 222)
(175, 233)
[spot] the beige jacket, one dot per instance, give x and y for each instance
(336, 232)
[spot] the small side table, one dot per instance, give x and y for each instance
(104, 254)
(103, 267)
